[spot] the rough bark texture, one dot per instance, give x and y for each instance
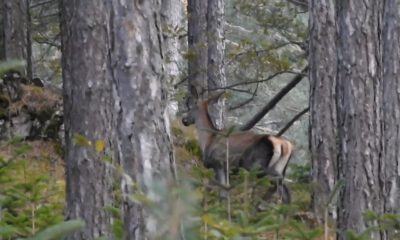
(391, 106)
(322, 61)
(114, 91)
(172, 19)
(359, 106)
(206, 45)
(29, 68)
(140, 100)
(2, 37)
(13, 29)
(197, 46)
(215, 56)
(88, 106)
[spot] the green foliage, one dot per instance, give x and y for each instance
(193, 147)
(10, 65)
(29, 200)
(59, 230)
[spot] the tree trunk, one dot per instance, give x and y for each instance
(114, 92)
(215, 56)
(359, 106)
(197, 46)
(13, 31)
(29, 68)
(206, 43)
(172, 18)
(88, 111)
(322, 60)
(391, 107)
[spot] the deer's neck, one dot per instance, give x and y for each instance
(205, 128)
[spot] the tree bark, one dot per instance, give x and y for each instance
(172, 17)
(323, 66)
(14, 44)
(391, 107)
(215, 56)
(88, 107)
(114, 92)
(359, 110)
(197, 46)
(206, 45)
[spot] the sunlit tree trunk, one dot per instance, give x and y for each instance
(322, 61)
(114, 93)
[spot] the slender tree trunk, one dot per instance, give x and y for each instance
(391, 107)
(322, 61)
(2, 36)
(206, 44)
(215, 56)
(172, 18)
(29, 68)
(360, 117)
(114, 92)
(13, 31)
(197, 46)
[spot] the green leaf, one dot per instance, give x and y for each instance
(81, 140)
(7, 231)
(59, 230)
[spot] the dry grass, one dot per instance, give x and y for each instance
(36, 99)
(43, 157)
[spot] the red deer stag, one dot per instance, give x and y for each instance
(248, 150)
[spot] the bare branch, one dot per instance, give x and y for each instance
(261, 51)
(274, 101)
(245, 102)
(41, 3)
(300, 3)
(291, 122)
(258, 81)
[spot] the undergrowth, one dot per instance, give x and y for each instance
(32, 202)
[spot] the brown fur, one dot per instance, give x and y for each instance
(248, 150)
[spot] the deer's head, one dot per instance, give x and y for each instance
(196, 108)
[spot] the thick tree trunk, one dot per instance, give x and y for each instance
(391, 106)
(88, 111)
(142, 123)
(215, 56)
(114, 92)
(14, 35)
(322, 61)
(359, 106)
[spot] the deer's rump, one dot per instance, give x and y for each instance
(249, 151)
